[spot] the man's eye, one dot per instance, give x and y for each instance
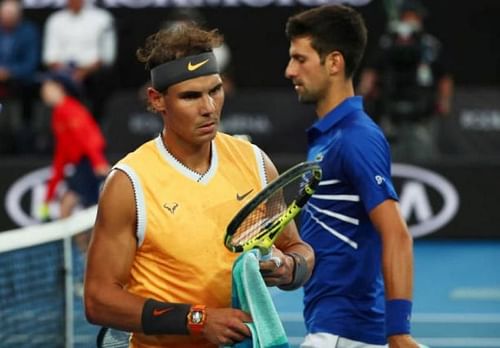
(190, 96)
(216, 90)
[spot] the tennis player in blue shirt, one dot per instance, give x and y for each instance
(361, 289)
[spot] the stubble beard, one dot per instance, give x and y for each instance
(307, 98)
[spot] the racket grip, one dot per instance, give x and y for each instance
(265, 254)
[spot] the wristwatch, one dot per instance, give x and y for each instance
(196, 319)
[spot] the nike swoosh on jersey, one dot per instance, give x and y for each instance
(193, 67)
(241, 197)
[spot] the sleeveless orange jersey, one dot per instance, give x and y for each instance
(181, 222)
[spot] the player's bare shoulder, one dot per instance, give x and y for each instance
(117, 196)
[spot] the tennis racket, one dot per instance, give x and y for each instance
(111, 338)
(260, 221)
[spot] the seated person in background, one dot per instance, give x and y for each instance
(78, 142)
(19, 59)
(82, 38)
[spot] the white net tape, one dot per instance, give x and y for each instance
(48, 232)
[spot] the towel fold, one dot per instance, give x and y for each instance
(251, 295)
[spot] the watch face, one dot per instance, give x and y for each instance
(197, 317)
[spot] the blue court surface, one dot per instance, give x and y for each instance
(456, 297)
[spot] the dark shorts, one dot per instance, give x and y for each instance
(85, 183)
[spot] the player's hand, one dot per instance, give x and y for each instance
(44, 212)
(225, 326)
(278, 270)
(402, 341)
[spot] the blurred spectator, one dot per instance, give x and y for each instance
(19, 59)
(79, 146)
(82, 38)
(408, 85)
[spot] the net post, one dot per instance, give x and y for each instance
(68, 293)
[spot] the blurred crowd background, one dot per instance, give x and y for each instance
(431, 77)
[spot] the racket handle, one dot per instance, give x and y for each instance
(265, 254)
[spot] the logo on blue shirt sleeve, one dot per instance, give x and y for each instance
(379, 179)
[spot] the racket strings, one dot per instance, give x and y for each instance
(264, 215)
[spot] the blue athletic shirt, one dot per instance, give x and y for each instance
(345, 295)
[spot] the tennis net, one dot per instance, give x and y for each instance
(40, 306)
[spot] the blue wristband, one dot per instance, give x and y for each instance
(397, 317)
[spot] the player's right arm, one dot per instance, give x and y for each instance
(110, 257)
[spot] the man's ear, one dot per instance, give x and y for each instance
(156, 99)
(335, 62)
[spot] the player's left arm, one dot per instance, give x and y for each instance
(295, 255)
(397, 266)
